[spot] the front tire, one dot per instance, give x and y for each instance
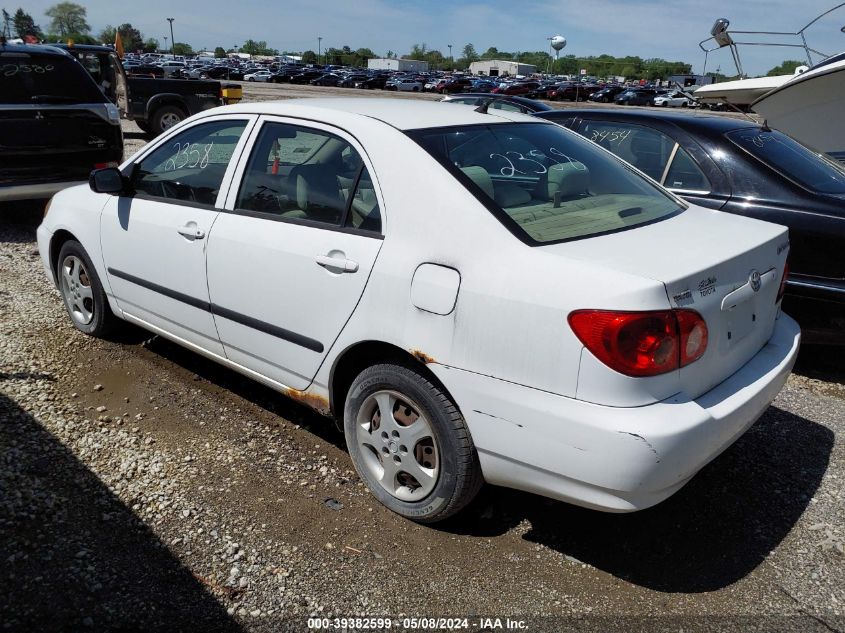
(82, 292)
(410, 444)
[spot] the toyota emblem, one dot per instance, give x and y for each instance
(754, 280)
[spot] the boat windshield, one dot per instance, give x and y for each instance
(810, 169)
(830, 60)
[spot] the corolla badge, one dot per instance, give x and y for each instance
(754, 280)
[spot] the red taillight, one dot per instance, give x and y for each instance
(783, 279)
(642, 343)
(104, 165)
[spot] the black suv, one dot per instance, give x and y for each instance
(56, 124)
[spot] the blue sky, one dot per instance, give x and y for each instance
(648, 28)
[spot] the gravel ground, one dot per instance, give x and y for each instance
(143, 488)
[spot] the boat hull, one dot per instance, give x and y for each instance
(810, 108)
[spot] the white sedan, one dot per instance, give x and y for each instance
(676, 99)
(475, 295)
(260, 75)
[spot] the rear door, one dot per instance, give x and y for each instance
(289, 259)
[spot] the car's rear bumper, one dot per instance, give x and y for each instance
(614, 459)
(35, 191)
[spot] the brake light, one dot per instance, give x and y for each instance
(642, 343)
(783, 279)
(105, 165)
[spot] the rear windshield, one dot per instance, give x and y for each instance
(54, 79)
(544, 183)
(812, 170)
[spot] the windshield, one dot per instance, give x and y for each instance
(812, 170)
(35, 78)
(547, 184)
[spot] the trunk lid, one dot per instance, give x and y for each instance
(707, 261)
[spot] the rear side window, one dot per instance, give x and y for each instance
(544, 183)
(797, 162)
(650, 151)
(298, 173)
(38, 78)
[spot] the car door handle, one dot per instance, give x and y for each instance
(338, 263)
(192, 231)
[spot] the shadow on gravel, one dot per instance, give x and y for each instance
(264, 397)
(74, 557)
(24, 213)
(823, 362)
(713, 532)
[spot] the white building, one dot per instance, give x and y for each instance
(386, 63)
(499, 68)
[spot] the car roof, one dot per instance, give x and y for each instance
(693, 122)
(41, 49)
(402, 114)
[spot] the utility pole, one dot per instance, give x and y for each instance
(451, 61)
(172, 41)
(165, 42)
(319, 48)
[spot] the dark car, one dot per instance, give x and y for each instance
(350, 80)
(459, 84)
(284, 76)
(306, 77)
(573, 91)
(328, 79)
(741, 167)
(482, 86)
(636, 96)
(606, 95)
(376, 81)
(56, 124)
(499, 102)
(224, 72)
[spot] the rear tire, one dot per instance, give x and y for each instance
(420, 461)
(165, 118)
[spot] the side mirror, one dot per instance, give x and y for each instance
(108, 180)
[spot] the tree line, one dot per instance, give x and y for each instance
(69, 21)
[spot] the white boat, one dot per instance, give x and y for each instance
(742, 92)
(810, 107)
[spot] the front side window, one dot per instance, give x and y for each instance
(545, 183)
(299, 173)
(812, 170)
(190, 166)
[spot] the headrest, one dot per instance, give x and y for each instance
(316, 185)
(568, 179)
(480, 177)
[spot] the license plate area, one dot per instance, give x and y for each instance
(741, 320)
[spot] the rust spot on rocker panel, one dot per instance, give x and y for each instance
(312, 400)
(422, 356)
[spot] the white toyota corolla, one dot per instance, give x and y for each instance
(479, 296)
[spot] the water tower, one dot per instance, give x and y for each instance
(557, 42)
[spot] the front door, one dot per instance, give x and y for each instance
(288, 264)
(154, 241)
